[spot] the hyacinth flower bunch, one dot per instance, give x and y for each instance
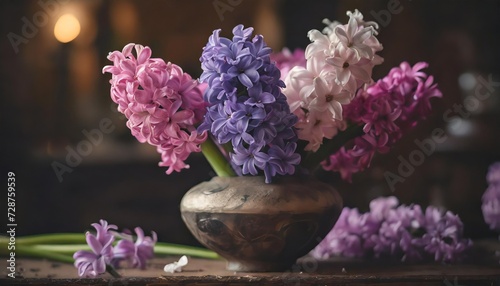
(399, 232)
(258, 112)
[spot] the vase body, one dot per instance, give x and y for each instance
(257, 226)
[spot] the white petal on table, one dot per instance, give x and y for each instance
(176, 266)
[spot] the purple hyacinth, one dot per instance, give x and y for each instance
(443, 236)
(491, 198)
(246, 105)
(104, 257)
(347, 238)
(282, 160)
(405, 233)
(135, 253)
(249, 158)
(104, 231)
(398, 235)
(94, 262)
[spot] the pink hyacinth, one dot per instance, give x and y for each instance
(161, 102)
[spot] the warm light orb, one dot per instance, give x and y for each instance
(67, 28)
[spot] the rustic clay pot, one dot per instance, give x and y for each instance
(257, 226)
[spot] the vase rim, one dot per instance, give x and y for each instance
(233, 194)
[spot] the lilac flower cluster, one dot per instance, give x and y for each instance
(491, 198)
(406, 233)
(247, 109)
(104, 255)
(386, 110)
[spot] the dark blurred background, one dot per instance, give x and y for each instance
(52, 93)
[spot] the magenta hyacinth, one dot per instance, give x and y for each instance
(285, 60)
(386, 110)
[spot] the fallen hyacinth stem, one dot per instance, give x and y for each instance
(51, 238)
(330, 146)
(160, 248)
(33, 251)
(112, 271)
(61, 246)
(216, 159)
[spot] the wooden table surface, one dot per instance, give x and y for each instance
(480, 269)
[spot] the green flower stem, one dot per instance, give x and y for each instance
(33, 251)
(330, 146)
(216, 159)
(51, 238)
(111, 270)
(160, 249)
(67, 249)
(61, 246)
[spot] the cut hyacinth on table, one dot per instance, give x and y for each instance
(271, 117)
(106, 256)
(491, 200)
(101, 250)
(397, 232)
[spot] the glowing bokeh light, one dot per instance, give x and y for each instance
(67, 28)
